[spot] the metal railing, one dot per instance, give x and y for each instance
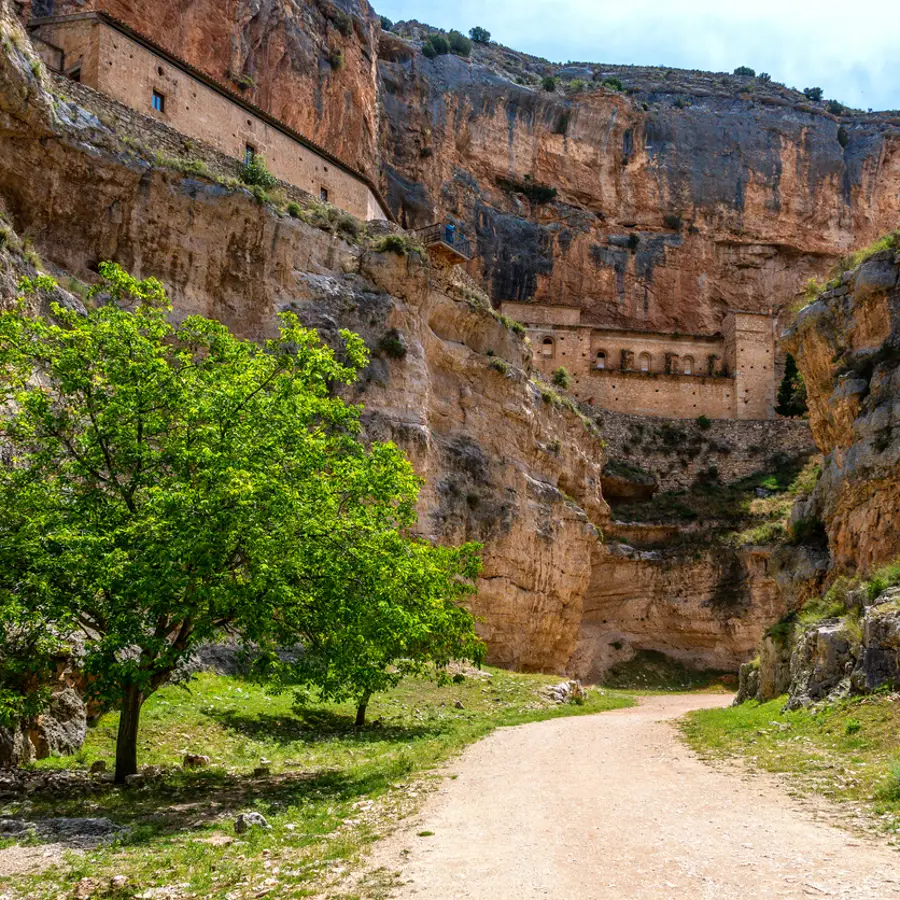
(448, 235)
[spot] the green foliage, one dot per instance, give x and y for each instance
(835, 107)
(514, 326)
(499, 365)
(336, 58)
(294, 210)
(170, 481)
(886, 577)
(673, 221)
(435, 45)
(402, 244)
(704, 423)
(681, 103)
(612, 83)
(792, 391)
(480, 35)
(575, 86)
(255, 173)
(745, 72)
(889, 241)
(549, 84)
(813, 93)
(764, 77)
(843, 136)
(808, 531)
(392, 345)
(386, 24)
(459, 43)
(561, 378)
(535, 191)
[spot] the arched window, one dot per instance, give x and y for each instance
(547, 348)
(601, 359)
(644, 361)
(688, 363)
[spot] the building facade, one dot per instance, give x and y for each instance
(730, 375)
(108, 56)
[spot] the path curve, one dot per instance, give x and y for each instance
(616, 806)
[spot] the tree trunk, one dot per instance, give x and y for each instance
(361, 709)
(126, 742)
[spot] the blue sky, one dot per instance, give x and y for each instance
(851, 52)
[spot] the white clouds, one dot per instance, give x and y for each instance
(852, 54)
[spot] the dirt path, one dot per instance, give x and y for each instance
(615, 806)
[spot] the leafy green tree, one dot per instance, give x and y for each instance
(792, 391)
(813, 93)
(480, 35)
(459, 43)
(170, 481)
(256, 173)
(549, 83)
(386, 24)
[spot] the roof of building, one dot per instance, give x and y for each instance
(219, 87)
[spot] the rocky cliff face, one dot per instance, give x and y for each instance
(847, 344)
(682, 195)
(505, 462)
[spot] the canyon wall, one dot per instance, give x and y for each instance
(676, 198)
(505, 461)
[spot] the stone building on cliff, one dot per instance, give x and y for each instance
(101, 52)
(728, 375)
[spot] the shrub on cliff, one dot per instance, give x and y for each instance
(813, 93)
(745, 72)
(480, 35)
(549, 83)
(764, 77)
(170, 481)
(562, 378)
(435, 45)
(386, 24)
(459, 43)
(255, 173)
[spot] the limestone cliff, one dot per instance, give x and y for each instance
(676, 197)
(506, 462)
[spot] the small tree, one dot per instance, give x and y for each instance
(169, 481)
(386, 24)
(813, 93)
(561, 378)
(745, 72)
(792, 391)
(256, 173)
(764, 77)
(549, 83)
(480, 35)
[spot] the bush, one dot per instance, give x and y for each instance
(835, 107)
(704, 422)
(294, 210)
(336, 58)
(576, 86)
(561, 378)
(745, 72)
(813, 93)
(808, 531)
(843, 136)
(401, 244)
(499, 365)
(549, 83)
(392, 345)
(439, 43)
(459, 44)
(673, 221)
(764, 77)
(480, 35)
(612, 83)
(386, 24)
(256, 173)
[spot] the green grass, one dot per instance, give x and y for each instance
(848, 751)
(332, 788)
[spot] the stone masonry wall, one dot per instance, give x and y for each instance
(131, 73)
(678, 453)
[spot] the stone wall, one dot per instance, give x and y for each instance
(132, 73)
(678, 453)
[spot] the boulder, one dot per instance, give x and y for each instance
(879, 661)
(748, 683)
(245, 821)
(823, 658)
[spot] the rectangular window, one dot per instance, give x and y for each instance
(249, 154)
(159, 102)
(323, 194)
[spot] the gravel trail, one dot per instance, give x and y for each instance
(615, 806)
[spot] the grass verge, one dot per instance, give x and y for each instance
(331, 788)
(848, 751)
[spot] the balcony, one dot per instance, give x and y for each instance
(445, 242)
